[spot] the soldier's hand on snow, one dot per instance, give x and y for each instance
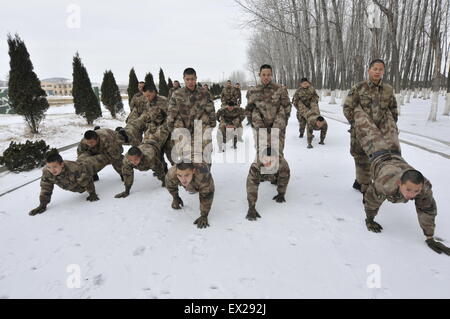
(373, 226)
(38, 210)
(177, 202)
(202, 222)
(252, 214)
(279, 198)
(92, 197)
(438, 246)
(122, 195)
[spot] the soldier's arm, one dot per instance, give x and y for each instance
(349, 106)
(206, 195)
(172, 184)
(295, 100)
(323, 132)
(46, 191)
(253, 180)
(219, 115)
(373, 199)
(393, 107)
(426, 210)
(315, 98)
(172, 112)
(85, 179)
(82, 149)
(284, 175)
(286, 103)
(257, 118)
(128, 175)
(211, 112)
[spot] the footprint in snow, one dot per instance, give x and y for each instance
(139, 251)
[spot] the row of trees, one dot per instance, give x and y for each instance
(332, 41)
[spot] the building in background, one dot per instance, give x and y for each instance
(57, 86)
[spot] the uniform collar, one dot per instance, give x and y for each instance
(371, 84)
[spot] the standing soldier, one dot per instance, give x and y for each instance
(206, 87)
(68, 175)
(237, 86)
(304, 98)
(268, 167)
(195, 178)
(392, 178)
(229, 93)
(176, 86)
(137, 102)
(190, 104)
(230, 127)
(268, 107)
(100, 148)
(377, 98)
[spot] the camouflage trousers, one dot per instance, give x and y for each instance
(310, 133)
(225, 134)
(191, 149)
(302, 121)
(95, 163)
(158, 166)
(276, 144)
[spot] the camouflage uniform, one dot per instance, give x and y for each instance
(226, 117)
(268, 107)
(171, 91)
(387, 167)
(377, 101)
(74, 177)
(239, 101)
(185, 107)
(201, 183)
(304, 98)
(229, 94)
(310, 115)
(107, 151)
(254, 178)
(138, 106)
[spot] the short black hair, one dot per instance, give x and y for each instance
(373, 62)
(265, 66)
(189, 71)
(90, 135)
(149, 88)
(176, 81)
(134, 151)
(54, 157)
(304, 80)
(412, 176)
(320, 118)
(141, 82)
(237, 83)
(269, 152)
(231, 103)
(184, 166)
(229, 81)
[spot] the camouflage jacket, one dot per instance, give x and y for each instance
(138, 105)
(305, 98)
(109, 144)
(171, 91)
(74, 177)
(186, 106)
(386, 171)
(201, 183)
(148, 162)
(234, 117)
(155, 114)
(255, 177)
(268, 106)
(374, 99)
(229, 94)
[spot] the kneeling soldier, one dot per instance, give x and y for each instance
(195, 178)
(68, 175)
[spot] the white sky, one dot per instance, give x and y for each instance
(120, 34)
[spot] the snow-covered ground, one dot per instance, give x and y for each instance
(314, 245)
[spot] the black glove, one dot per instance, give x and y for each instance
(177, 202)
(438, 246)
(202, 222)
(373, 225)
(38, 210)
(123, 194)
(279, 198)
(92, 197)
(252, 214)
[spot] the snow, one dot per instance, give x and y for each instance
(314, 245)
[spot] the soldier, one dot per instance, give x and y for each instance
(304, 98)
(137, 104)
(377, 98)
(187, 105)
(176, 86)
(230, 127)
(205, 86)
(229, 93)
(195, 178)
(268, 107)
(314, 121)
(237, 86)
(68, 175)
(268, 167)
(100, 148)
(393, 179)
(143, 158)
